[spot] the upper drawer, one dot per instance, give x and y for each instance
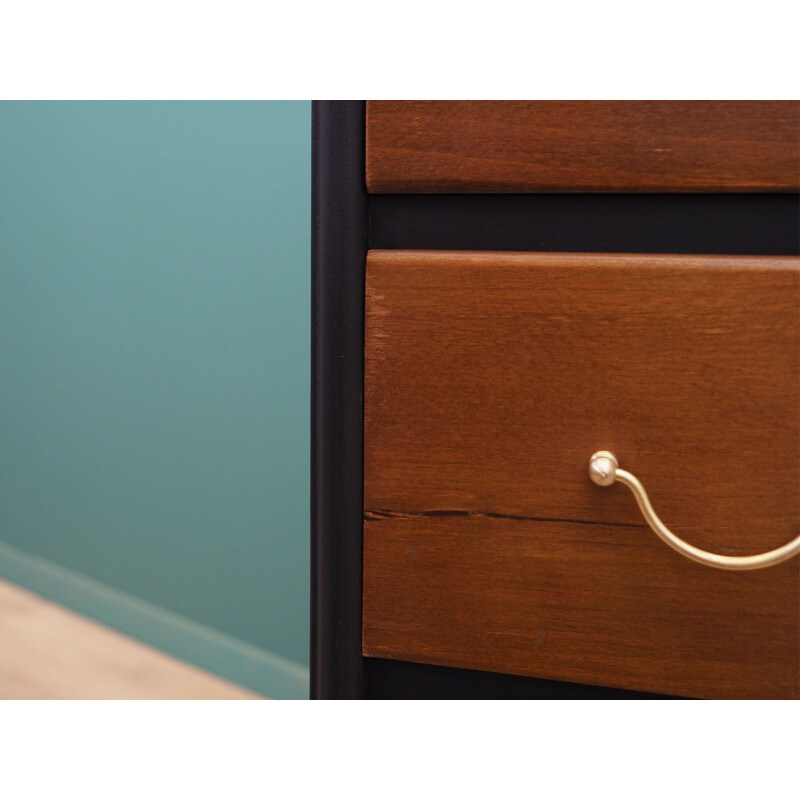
(491, 378)
(583, 146)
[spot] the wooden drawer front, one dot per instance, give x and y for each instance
(490, 378)
(580, 146)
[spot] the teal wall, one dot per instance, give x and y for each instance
(154, 365)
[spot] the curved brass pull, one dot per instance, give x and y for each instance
(604, 470)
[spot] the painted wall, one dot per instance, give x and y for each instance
(154, 372)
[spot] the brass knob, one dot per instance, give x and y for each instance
(604, 470)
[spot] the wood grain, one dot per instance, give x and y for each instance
(490, 378)
(582, 146)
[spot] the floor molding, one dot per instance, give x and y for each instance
(260, 670)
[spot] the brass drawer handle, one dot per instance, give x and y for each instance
(604, 470)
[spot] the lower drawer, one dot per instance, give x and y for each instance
(491, 378)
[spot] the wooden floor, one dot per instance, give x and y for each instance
(50, 653)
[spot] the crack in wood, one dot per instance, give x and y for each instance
(378, 514)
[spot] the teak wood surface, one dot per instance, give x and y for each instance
(582, 146)
(490, 378)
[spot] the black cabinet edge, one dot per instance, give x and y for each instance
(402, 680)
(338, 250)
(725, 224)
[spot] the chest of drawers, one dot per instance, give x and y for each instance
(499, 291)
